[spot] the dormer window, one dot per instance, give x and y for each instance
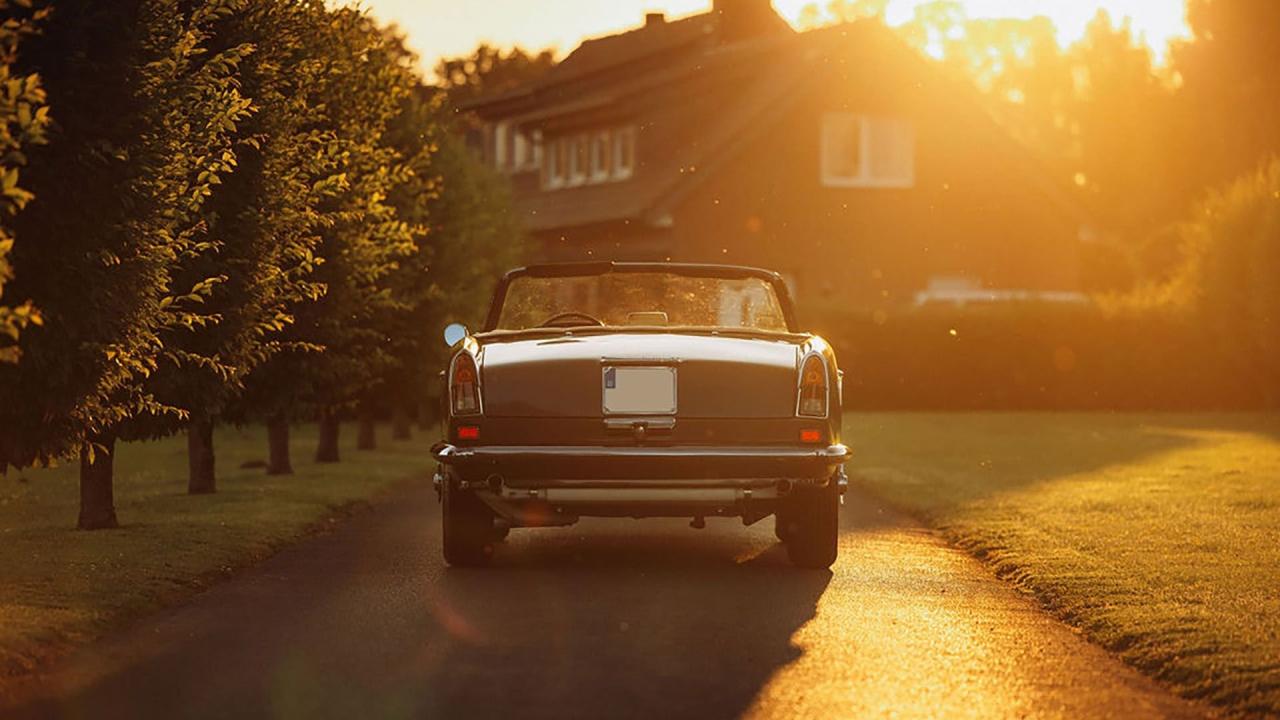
(601, 156)
(624, 153)
(867, 151)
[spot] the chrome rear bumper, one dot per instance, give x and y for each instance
(643, 466)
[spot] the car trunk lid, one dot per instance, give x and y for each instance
(565, 377)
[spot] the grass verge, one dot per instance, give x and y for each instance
(61, 587)
(1157, 535)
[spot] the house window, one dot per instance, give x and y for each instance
(555, 170)
(519, 151)
(527, 151)
(867, 151)
(579, 159)
(624, 153)
(501, 145)
(535, 146)
(601, 156)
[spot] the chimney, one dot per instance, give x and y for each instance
(744, 19)
(655, 19)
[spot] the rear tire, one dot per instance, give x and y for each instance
(811, 526)
(781, 524)
(468, 528)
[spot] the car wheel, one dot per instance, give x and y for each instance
(813, 526)
(468, 528)
(782, 524)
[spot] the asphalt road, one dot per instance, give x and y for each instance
(607, 619)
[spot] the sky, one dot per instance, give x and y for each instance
(454, 27)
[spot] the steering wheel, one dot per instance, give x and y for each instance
(562, 319)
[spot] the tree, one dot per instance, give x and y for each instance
(841, 11)
(119, 206)
(1120, 113)
(467, 237)
(1232, 276)
(473, 238)
(263, 228)
(1230, 98)
(362, 238)
(489, 71)
(24, 118)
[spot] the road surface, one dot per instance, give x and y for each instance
(608, 619)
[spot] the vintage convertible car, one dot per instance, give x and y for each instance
(640, 390)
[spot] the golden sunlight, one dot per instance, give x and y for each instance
(437, 28)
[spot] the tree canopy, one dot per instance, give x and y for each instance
(226, 212)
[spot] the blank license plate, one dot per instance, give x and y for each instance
(640, 391)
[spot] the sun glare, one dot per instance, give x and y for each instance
(1158, 21)
(437, 28)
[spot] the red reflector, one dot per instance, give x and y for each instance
(468, 432)
(810, 436)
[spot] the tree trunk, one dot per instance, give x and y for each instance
(367, 434)
(327, 450)
(278, 462)
(97, 497)
(201, 479)
(401, 423)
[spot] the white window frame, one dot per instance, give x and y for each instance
(869, 128)
(527, 151)
(519, 148)
(601, 162)
(501, 145)
(624, 144)
(579, 162)
(555, 171)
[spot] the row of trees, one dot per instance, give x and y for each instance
(223, 211)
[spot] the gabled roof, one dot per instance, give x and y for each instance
(652, 47)
(625, 48)
(750, 85)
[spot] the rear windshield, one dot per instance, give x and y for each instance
(641, 299)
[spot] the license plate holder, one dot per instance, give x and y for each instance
(639, 390)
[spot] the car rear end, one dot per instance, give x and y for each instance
(546, 428)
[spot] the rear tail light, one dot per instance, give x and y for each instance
(810, 437)
(469, 432)
(813, 388)
(464, 386)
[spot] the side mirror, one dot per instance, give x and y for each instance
(455, 333)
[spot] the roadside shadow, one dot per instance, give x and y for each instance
(604, 622)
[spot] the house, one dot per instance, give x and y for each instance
(838, 157)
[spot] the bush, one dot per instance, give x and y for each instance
(1032, 357)
(1232, 278)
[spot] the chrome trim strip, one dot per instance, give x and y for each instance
(450, 453)
(726, 496)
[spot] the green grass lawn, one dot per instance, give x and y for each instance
(1157, 535)
(59, 586)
